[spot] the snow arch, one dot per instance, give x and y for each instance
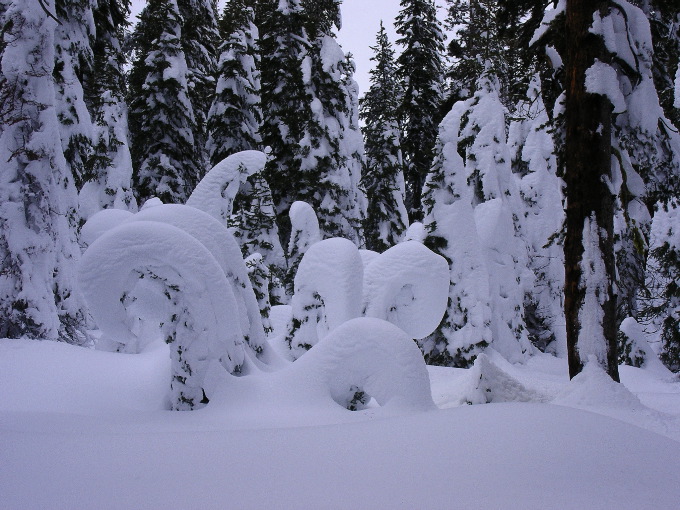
(184, 288)
(226, 251)
(367, 357)
(327, 292)
(407, 285)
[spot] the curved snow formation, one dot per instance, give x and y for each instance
(102, 222)
(407, 285)
(328, 286)
(182, 286)
(216, 192)
(221, 244)
(367, 357)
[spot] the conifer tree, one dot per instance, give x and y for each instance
(283, 43)
(235, 117)
(383, 176)
(420, 69)
(38, 248)
(200, 39)
(107, 182)
(311, 124)
(162, 122)
(73, 61)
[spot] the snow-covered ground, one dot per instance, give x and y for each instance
(86, 429)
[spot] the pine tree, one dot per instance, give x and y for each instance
(590, 301)
(383, 175)
(333, 146)
(200, 39)
(107, 182)
(283, 43)
(73, 60)
(38, 248)
(162, 122)
(535, 164)
(488, 269)
(235, 117)
(311, 124)
(420, 69)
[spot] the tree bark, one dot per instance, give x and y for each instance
(588, 169)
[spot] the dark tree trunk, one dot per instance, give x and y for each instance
(587, 170)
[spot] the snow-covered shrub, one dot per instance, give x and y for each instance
(225, 250)
(101, 222)
(182, 287)
(408, 286)
(328, 287)
(304, 233)
(259, 278)
(368, 357)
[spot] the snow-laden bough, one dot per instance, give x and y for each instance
(181, 286)
(327, 292)
(216, 192)
(408, 286)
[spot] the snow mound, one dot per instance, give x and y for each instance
(593, 387)
(367, 357)
(101, 222)
(150, 271)
(225, 249)
(408, 286)
(216, 192)
(488, 383)
(328, 286)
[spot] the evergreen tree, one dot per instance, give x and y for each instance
(73, 61)
(200, 39)
(38, 248)
(235, 117)
(107, 182)
(535, 164)
(383, 175)
(311, 124)
(283, 43)
(420, 69)
(162, 122)
(489, 267)
(590, 300)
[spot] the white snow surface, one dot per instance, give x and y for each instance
(101, 222)
(81, 428)
(407, 285)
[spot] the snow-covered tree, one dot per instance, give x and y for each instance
(383, 175)
(107, 182)
(590, 300)
(535, 164)
(235, 117)
(38, 199)
(73, 60)
(162, 122)
(200, 39)
(473, 218)
(421, 71)
(283, 43)
(304, 233)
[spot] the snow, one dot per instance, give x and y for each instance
(216, 192)
(407, 285)
(102, 222)
(328, 287)
(87, 429)
(601, 79)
